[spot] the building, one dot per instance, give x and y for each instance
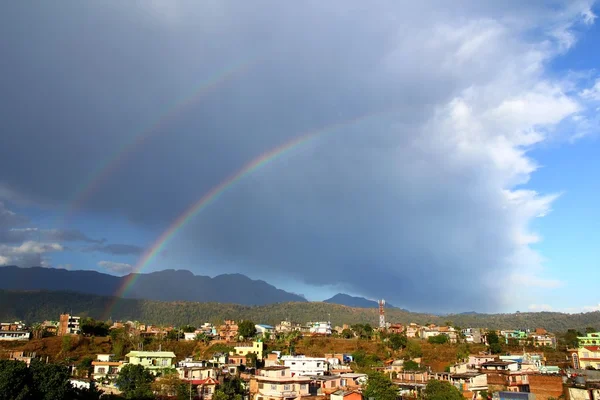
(155, 361)
(395, 328)
(413, 330)
(505, 375)
(321, 328)
(12, 326)
(345, 395)
(262, 329)
(256, 348)
(287, 326)
(277, 383)
(306, 366)
(588, 352)
(106, 368)
(10, 336)
(68, 325)
(229, 331)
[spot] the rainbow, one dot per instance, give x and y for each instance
(212, 195)
(110, 166)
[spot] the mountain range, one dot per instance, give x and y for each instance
(167, 285)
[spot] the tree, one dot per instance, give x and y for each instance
(135, 382)
(590, 329)
(203, 337)
(496, 348)
(397, 341)
(170, 385)
(441, 390)
(188, 329)
(231, 388)
(247, 329)
(347, 334)
(251, 360)
(438, 339)
(380, 387)
(85, 366)
(413, 350)
(410, 365)
(50, 381)
(15, 380)
(91, 327)
(492, 337)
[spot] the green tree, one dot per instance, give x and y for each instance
(492, 337)
(251, 360)
(85, 367)
(347, 334)
(397, 341)
(91, 327)
(590, 329)
(15, 380)
(410, 365)
(438, 339)
(135, 382)
(232, 388)
(496, 348)
(247, 329)
(441, 390)
(169, 386)
(188, 329)
(380, 387)
(50, 381)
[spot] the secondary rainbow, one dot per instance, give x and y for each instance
(110, 166)
(212, 195)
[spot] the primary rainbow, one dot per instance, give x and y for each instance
(112, 163)
(212, 195)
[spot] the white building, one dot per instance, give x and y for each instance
(106, 368)
(306, 366)
(14, 335)
(321, 328)
(262, 329)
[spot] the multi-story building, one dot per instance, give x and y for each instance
(68, 325)
(256, 348)
(588, 352)
(155, 361)
(306, 366)
(277, 383)
(229, 331)
(106, 368)
(14, 335)
(321, 328)
(413, 330)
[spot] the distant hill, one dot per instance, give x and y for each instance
(354, 301)
(167, 285)
(33, 306)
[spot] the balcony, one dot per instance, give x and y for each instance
(275, 393)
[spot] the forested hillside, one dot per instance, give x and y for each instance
(34, 306)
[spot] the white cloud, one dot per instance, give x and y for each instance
(540, 307)
(588, 16)
(28, 254)
(116, 267)
(592, 93)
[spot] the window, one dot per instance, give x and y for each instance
(283, 373)
(303, 387)
(261, 385)
(286, 388)
(273, 387)
(101, 370)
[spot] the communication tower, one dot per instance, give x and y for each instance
(381, 314)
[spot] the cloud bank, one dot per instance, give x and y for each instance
(424, 204)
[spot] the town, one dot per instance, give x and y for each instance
(313, 360)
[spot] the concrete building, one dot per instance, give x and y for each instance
(155, 361)
(9, 336)
(277, 383)
(69, 325)
(588, 352)
(306, 366)
(256, 348)
(262, 329)
(321, 328)
(106, 368)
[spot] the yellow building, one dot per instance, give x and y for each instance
(588, 352)
(256, 348)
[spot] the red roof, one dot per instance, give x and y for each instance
(592, 348)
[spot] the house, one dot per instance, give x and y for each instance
(68, 325)
(256, 348)
(320, 328)
(220, 358)
(228, 331)
(506, 374)
(22, 356)
(473, 382)
(272, 359)
(306, 366)
(588, 352)
(324, 384)
(12, 326)
(473, 335)
(276, 383)
(475, 361)
(344, 395)
(396, 328)
(235, 359)
(287, 326)
(189, 335)
(413, 330)
(197, 373)
(10, 336)
(106, 368)
(262, 329)
(155, 361)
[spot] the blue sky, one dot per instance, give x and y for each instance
(470, 187)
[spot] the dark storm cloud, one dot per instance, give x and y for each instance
(413, 205)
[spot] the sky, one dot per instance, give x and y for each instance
(442, 158)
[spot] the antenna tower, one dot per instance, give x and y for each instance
(381, 314)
